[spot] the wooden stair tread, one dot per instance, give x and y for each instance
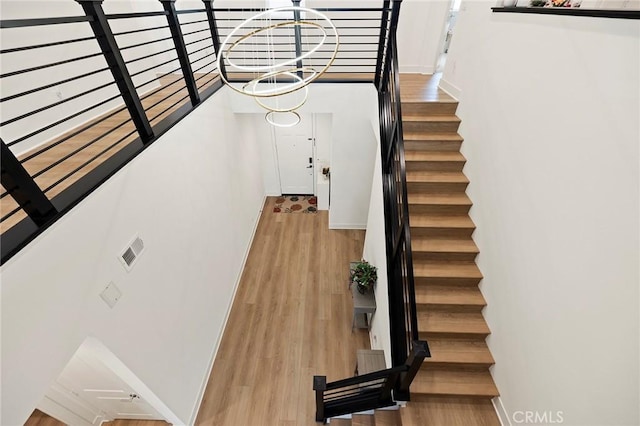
(443, 245)
(459, 352)
(449, 295)
(435, 381)
(408, 135)
(452, 323)
(387, 418)
(363, 420)
(449, 411)
(425, 220)
(441, 269)
(416, 155)
(436, 176)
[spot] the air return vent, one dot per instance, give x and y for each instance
(131, 253)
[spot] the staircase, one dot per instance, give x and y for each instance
(454, 386)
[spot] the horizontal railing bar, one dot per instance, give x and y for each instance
(150, 55)
(83, 165)
(184, 11)
(208, 46)
(203, 57)
(55, 104)
(11, 213)
(257, 37)
(193, 22)
(135, 15)
(320, 9)
(196, 31)
(38, 46)
(208, 81)
(356, 43)
(77, 150)
(72, 134)
(158, 78)
(197, 41)
(145, 43)
(169, 107)
(204, 66)
(153, 67)
(53, 64)
(141, 30)
(150, 107)
(20, 23)
(366, 377)
(358, 386)
(153, 92)
(47, 86)
(252, 27)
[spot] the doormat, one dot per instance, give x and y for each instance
(296, 204)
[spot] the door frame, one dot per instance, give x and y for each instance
(313, 153)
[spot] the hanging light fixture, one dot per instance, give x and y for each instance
(274, 76)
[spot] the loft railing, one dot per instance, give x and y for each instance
(383, 388)
(115, 82)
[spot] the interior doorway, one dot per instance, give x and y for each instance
(88, 392)
(448, 34)
(295, 152)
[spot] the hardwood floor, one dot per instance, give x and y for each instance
(38, 418)
(291, 320)
(54, 172)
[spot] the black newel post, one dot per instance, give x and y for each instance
(384, 19)
(21, 186)
(106, 40)
(181, 49)
(215, 35)
(320, 386)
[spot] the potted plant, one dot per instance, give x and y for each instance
(364, 275)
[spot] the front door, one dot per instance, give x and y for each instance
(294, 146)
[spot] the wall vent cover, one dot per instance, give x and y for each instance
(129, 256)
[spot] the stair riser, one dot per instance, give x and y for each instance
(432, 166)
(429, 108)
(439, 209)
(449, 307)
(458, 233)
(446, 256)
(437, 187)
(454, 281)
(432, 145)
(431, 126)
(466, 365)
(418, 397)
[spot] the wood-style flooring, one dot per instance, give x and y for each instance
(291, 320)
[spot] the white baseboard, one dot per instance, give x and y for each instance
(501, 411)
(347, 226)
(451, 89)
(203, 386)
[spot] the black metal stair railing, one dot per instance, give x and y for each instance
(384, 388)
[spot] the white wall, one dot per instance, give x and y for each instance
(375, 253)
(194, 197)
(550, 115)
(353, 145)
(421, 34)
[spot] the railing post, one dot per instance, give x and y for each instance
(297, 36)
(21, 186)
(109, 46)
(215, 35)
(181, 50)
(419, 352)
(381, 44)
(320, 386)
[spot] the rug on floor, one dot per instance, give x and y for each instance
(296, 204)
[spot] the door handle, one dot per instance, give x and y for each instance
(308, 167)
